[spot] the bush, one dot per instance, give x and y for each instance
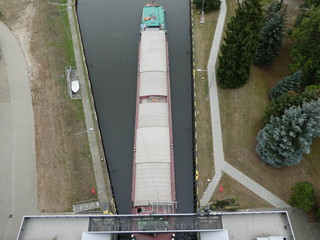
(302, 196)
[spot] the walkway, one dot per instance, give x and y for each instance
(17, 139)
(90, 119)
(219, 163)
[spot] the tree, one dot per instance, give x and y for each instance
(291, 82)
(239, 45)
(208, 5)
(284, 140)
(302, 196)
(277, 107)
(305, 53)
(271, 34)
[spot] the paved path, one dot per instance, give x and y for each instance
(90, 119)
(17, 149)
(219, 163)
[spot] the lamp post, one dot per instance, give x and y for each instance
(90, 129)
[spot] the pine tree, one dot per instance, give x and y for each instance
(305, 53)
(277, 107)
(291, 82)
(284, 140)
(271, 34)
(239, 45)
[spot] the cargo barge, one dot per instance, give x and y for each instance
(153, 180)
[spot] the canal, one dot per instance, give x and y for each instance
(110, 32)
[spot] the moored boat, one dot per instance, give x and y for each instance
(153, 181)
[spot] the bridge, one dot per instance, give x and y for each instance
(172, 223)
(213, 225)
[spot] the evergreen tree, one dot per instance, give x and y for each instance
(284, 140)
(208, 5)
(291, 82)
(239, 45)
(277, 107)
(271, 34)
(305, 54)
(303, 196)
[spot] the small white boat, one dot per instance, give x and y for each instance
(75, 86)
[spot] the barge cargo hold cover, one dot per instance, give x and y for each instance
(153, 185)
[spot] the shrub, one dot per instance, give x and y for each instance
(302, 196)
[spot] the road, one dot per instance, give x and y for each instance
(17, 140)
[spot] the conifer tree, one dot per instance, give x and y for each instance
(284, 140)
(305, 53)
(271, 34)
(239, 45)
(291, 82)
(277, 107)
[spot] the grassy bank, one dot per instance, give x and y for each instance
(203, 36)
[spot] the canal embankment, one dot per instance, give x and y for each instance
(103, 183)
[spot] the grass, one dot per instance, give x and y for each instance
(67, 43)
(244, 197)
(203, 36)
(61, 156)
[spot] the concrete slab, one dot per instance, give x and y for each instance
(54, 228)
(17, 153)
(249, 226)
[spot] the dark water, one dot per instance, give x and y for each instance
(110, 31)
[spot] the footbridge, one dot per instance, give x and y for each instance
(172, 223)
(213, 225)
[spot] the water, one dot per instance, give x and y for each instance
(110, 31)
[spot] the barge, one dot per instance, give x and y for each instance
(153, 180)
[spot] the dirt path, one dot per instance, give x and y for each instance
(64, 166)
